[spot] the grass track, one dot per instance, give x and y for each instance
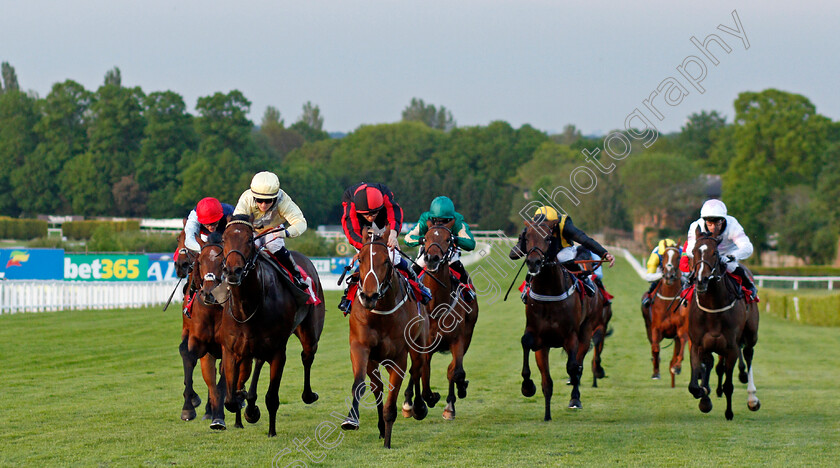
(103, 388)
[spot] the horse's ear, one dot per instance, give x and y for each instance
(451, 224)
(365, 233)
(555, 227)
(697, 231)
(429, 223)
(184, 222)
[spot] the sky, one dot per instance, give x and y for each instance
(539, 62)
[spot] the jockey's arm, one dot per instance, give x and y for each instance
(295, 222)
(573, 233)
(192, 228)
(464, 237)
(653, 261)
(415, 236)
(741, 241)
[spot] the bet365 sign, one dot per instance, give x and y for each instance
(106, 267)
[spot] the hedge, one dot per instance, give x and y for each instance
(821, 310)
(22, 229)
(85, 229)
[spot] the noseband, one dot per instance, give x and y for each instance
(382, 286)
(449, 250)
(250, 261)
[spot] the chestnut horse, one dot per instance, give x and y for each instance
(665, 317)
(452, 320)
(555, 316)
(719, 322)
(386, 325)
(200, 336)
(260, 315)
(601, 314)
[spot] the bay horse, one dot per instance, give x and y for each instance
(555, 315)
(719, 322)
(452, 320)
(260, 315)
(201, 339)
(386, 326)
(601, 309)
(665, 317)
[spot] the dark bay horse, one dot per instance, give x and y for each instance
(601, 311)
(719, 322)
(386, 326)
(665, 317)
(260, 315)
(452, 320)
(201, 338)
(555, 316)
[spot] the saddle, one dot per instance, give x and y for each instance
(302, 297)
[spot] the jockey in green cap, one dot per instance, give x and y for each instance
(442, 211)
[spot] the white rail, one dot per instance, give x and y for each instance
(40, 296)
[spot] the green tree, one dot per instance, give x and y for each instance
(18, 116)
(698, 135)
(169, 133)
(113, 77)
(10, 81)
(418, 111)
(312, 116)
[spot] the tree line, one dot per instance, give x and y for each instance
(118, 151)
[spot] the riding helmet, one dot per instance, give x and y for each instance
(209, 210)
(367, 199)
(442, 207)
(265, 185)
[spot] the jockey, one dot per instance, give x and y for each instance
(654, 267)
(365, 205)
(269, 208)
(569, 234)
(734, 245)
(442, 211)
(208, 216)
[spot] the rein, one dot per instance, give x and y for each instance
(384, 286)
(715, 277)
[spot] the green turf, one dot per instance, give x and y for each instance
(103, 388)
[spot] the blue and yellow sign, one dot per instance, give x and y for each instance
(41, 264)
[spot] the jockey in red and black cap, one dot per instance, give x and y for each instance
(367, 204)
(366, 199)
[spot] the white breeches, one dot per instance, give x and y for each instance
(567, 254)
(273, 242)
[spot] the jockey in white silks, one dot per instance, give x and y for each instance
(734, 245)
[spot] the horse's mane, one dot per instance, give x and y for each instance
(215, 238)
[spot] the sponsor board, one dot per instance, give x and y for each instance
(103, 267)
(40, 264)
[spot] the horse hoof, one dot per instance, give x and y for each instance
(407, 410)
(574, 404)
(528, 388)
(462, 389)
(449, 415)
(252, 415)
(207, 417)
(188, 415)
(420, 412)
(677, 370)
(599, 373)
(218, 425)
(350, 424)
(309, 398)
(432, 399)
(754, 406)
(743, 377)
(655, 376)
(705, 404)
(729, 415)
(196, 401)
(719, 392)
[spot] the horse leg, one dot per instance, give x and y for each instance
(676, 360)
(208, 371)
(720, 369)
(376, 385)
(390, 409)
(742, 368)
(541, 356)
(408, 406)
(753, 403)
(706, 402)
(191, 399)
(456, 376)
(696, 372)
(230, 369)
(431, 398)
(728, 385)
(309, 341)
(252, 411)
(359, 357)
(655, 338)
(420, 372)
(597, 340)
(574, 368)
(528, 387)
(272, 399)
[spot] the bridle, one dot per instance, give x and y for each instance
(446, 253)
(714, 266)
(382, 287)
(250, 260)
(548, 256)
(210, 276)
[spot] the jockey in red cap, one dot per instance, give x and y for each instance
(365, 205)
(208, 216)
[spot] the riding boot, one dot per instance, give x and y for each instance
(739, 271)
(469, 295)
(648, 299)
(424, 291)
(346, 302)
(286, 261)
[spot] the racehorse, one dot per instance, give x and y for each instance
(184, 257)
(719, 322)
(665, 317)
(200, 336)
(601, 314)
(386, 326)
(452, 320)
(260, 315)
(555, 315)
